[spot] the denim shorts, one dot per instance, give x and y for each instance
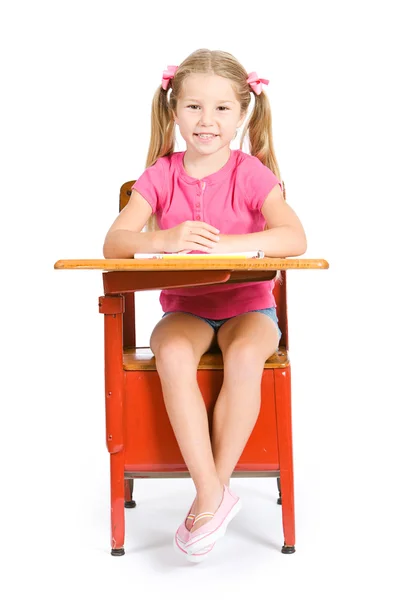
(270, 312)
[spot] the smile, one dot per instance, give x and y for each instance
(205, 138)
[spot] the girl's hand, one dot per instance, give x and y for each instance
(190, 235)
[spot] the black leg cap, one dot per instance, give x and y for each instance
(117, 552)
(288, 549)
(130, 504)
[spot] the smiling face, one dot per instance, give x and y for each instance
(208, 105)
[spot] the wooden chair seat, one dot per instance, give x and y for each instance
(142, 359)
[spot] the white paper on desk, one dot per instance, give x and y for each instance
(173, 255)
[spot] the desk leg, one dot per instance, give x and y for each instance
(284, 425)
(113, 307)
(117, 504)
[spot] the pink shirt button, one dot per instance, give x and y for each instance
(198, 218)
(198, 204)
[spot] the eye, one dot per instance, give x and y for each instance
(225, 108)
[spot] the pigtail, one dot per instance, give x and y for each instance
(259, 130)
(162, 140)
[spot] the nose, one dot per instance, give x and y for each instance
(206, 117)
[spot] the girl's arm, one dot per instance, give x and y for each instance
(124, 238)
(279, 242)
(285, 236)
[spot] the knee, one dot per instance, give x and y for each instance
(172, 355)
(243, 359)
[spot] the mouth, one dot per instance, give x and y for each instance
(205, 139)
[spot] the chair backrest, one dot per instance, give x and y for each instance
(279, 291)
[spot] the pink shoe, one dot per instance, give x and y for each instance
(181, 537)
(215, 528)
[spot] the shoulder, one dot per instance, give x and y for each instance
(153, 181)
(251, 165)
(170, 161)
(157, 174)
(160, 165)
(164, 164)
(251, 170)
(255, 179)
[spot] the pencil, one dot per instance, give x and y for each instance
(252, 254)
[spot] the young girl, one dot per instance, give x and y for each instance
(210, 199)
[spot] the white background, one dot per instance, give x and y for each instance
(78, 80)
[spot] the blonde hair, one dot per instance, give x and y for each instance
(211, 62)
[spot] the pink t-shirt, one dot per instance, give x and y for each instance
(230, 200)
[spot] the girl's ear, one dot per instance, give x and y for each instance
(241, 120)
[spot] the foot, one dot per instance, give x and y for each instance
(206, 504)
(190, 518)
(215, 527)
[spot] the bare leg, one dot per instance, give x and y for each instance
(246, 342)
(187, 414)
(178, 342)
(235, 414)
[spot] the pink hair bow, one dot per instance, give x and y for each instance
(167, 75)
(256, 82)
